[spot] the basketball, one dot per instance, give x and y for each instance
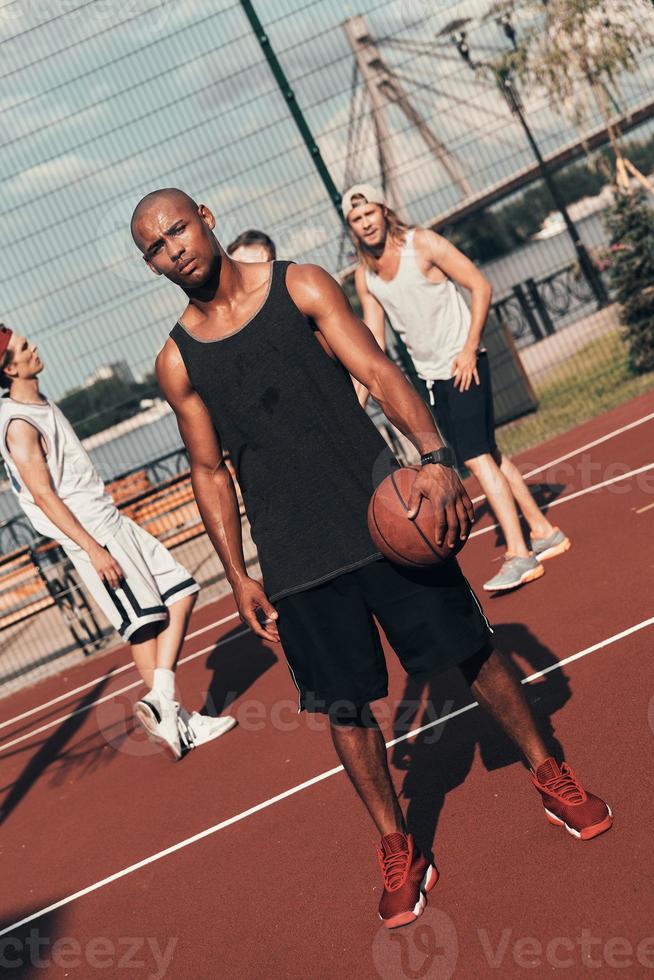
(405, 542)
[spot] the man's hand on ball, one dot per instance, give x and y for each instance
(452, 506)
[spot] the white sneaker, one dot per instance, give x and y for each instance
(158, 716)
(196, 729)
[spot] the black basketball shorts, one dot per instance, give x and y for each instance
(431, 618)
(465, 418)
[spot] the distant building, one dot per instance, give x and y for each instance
(105, 372)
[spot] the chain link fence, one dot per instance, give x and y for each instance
(102, 102)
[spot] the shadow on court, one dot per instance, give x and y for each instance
(26, 952)
(543, 493)
(439, 759)
(51, 750)
(237, 662)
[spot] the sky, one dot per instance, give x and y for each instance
(104, 100)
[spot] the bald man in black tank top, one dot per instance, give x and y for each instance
(259, 363)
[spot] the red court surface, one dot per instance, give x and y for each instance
(253, 857)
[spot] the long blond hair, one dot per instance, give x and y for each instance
(395, 228)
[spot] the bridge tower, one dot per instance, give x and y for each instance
(384, 90)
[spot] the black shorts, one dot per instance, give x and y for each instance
(465, 418)
(432, 620)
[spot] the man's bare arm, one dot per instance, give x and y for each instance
(24, 443)
(318, 296)
(213, 487)
(465, 273)
(374, 319)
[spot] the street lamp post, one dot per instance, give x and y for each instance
(506, 87)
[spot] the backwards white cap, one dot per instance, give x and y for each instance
(372, 195)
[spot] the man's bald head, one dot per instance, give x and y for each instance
(175, 236)
(165, 195)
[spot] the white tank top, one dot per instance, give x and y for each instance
(74, 477)
(431, 317)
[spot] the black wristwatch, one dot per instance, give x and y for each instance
(444, 456)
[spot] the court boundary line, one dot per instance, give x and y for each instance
(577, 493)
(484, 530)
(294, 790)
(574, 452)
(101, 677)
(112, 694)
(581, 449)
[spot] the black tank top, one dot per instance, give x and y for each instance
(306, 455)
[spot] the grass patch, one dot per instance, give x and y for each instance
(593, 380)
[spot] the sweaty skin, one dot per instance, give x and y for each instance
(177, 241)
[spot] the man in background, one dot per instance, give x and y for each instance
(252, 246)
(414, 276)
(146, 595)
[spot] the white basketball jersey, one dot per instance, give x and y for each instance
(431, 317)
(74, 477)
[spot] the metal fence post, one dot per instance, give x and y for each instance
(539, 306)
(296, 112)
(534, 325)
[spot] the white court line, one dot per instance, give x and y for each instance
(484, 530)
(298, 789)
(534, 677)
(118, 670)
(581, 449)
(111, 673)
(577, 493)
(113, 694)
(220, 622)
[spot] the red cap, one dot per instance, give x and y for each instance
(5, 337)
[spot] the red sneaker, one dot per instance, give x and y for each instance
(407, 877)
(567, 804)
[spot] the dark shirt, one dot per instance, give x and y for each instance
(306, 455)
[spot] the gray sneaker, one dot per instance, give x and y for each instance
(514, 572)
(555, 544)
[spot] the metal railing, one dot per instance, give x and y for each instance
(537, 307)
(162, 468)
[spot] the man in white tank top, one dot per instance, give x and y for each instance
(144, 593)
(411, 275)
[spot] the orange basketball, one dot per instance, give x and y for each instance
(405, 542)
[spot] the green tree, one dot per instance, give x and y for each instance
(631, 228)
(105, 403)
(483, 236)
(576, 50)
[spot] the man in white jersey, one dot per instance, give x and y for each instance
(145, 594)
(412, 274)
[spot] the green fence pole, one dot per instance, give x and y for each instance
(296, 112)
(310, 143)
